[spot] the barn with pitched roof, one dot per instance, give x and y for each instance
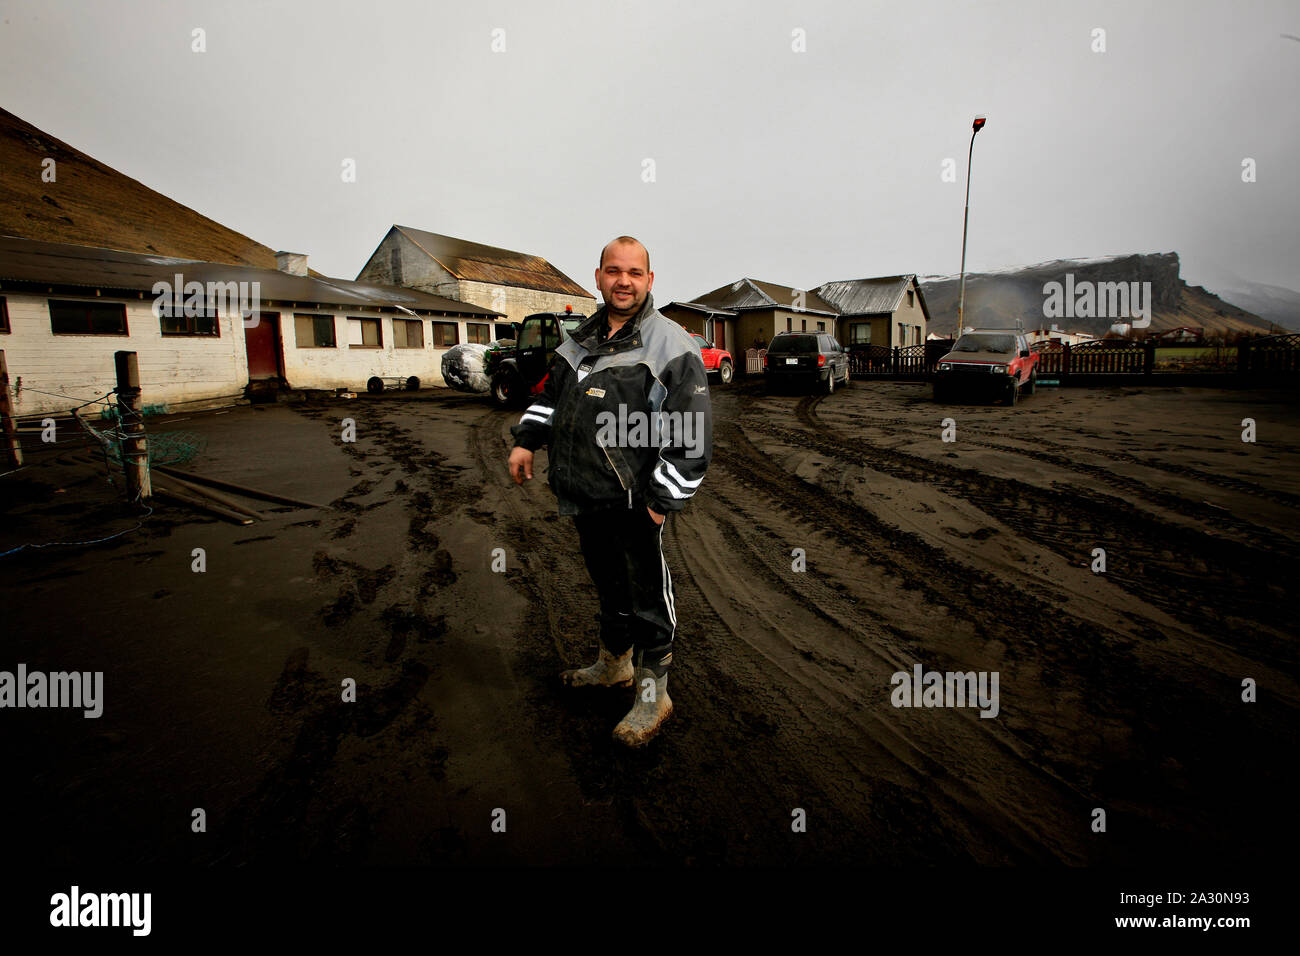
(515, 284)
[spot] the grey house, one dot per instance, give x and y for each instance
(889, 311)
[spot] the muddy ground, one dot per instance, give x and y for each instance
(1119, 691)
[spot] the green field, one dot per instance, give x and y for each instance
(1184, 353)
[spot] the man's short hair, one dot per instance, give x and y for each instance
(623, 241)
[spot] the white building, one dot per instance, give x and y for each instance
(1058, 337)
(65, 309)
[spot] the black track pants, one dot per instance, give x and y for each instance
(623, 549)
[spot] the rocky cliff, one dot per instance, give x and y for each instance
(1084, 297)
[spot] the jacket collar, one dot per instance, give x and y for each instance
(586, 334)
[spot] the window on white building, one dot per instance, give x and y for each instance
(408, 334)
(87, 318)
(445, 335)
(313, 331)
(365, 333)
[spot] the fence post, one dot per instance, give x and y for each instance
(13, 450)
(1065, 361)
(1149, 359)
(135, 447)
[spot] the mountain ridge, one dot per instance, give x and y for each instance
(1001, 296)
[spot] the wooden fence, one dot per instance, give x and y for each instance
(1275, 357)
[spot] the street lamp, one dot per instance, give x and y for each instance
(961, 302)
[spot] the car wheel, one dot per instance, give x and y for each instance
(1013, 393)
(375, 385)
(724, 372)
(940, 393)
(505, 386)
(1031, 386)
(829, 385)
(413, 384)
(846, 374)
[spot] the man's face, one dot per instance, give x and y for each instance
(623, 279)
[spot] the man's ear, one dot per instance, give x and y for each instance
(651, 284)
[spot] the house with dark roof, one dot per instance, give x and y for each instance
(748, 312)
(887, 311)
(85, 251)
(515, 284)
(207, 333)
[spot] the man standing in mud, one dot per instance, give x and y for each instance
(626, 413)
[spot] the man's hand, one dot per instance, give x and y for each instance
(521, 464)
(655, 516)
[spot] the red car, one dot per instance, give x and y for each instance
(990, 360)
(716, 361)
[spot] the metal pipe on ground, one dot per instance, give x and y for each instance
(239, 489)
(211, 495)
(201, 505)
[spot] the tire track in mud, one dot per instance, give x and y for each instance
(1153, 553)
(731, 808)
(720, 814)
(894, 791)
(1175, 503)
(771, 712)
(936, 752)
(1243, 652)
(1131, 704)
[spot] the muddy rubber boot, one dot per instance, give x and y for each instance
(650, 709)
(608, 671)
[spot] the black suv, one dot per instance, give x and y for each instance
(806, 359)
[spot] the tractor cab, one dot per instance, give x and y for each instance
(522, 374)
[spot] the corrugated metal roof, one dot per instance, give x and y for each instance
(696, 307)
(756, 294)
(475, 262)
(862, 296)
(59, 264)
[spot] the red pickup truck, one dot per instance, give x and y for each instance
(988, 360)
(716, 360)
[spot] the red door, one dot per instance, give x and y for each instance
(262, 341)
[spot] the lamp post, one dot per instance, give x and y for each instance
(961, 302)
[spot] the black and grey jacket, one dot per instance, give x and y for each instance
(628, 420)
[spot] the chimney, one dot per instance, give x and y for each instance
(294, 263)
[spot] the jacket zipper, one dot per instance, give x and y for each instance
(617, 475)
(609, 347)
(621, 483)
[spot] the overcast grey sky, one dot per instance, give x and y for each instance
(795, 167)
